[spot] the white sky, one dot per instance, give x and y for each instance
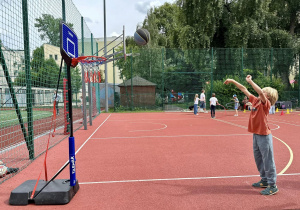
(118, 13)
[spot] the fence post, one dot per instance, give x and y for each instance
(64, 10)
(98, 84)
(131, 104)
(114, 79)
(271, 64)
(90, 94)
(91, 85)
(299, 80)
(83, 79)
(211, 71)
(162, 78)
(28, 79)
(242, 67)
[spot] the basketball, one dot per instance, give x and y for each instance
(142, 36)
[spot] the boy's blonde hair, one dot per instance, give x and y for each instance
(196, 96)
(272, 94)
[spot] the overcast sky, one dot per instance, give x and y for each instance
(118, 13)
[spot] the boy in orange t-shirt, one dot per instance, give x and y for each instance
(262, 137)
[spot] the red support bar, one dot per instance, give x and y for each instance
(66, 112)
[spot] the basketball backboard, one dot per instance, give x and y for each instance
(68, 43)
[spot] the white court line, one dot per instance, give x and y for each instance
(247, 128)
(91, 135)
(178, 179)
(162, 119)
(284, 123)
(177, 136)
(291, 156)
(290, 150)
(59, 171)
(165, 126)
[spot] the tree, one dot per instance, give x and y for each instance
(76, 79)
(49, 28)
(44, 72)
(163, 25)
(199, 21)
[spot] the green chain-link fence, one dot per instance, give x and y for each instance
(30, 64)
(168, 79)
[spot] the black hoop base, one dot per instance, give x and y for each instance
(57, 192)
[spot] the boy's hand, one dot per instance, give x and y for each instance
(228, 81)
(249, 78)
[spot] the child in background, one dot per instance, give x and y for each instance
(213, 102)
(244, 102)
(262, 137)
(196, 101)
(236, 105)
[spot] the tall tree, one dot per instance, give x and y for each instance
(199, 21)
(163, 25)
(49, 28)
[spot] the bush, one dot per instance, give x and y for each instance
(224, 93)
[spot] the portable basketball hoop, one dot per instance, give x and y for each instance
(61, 191)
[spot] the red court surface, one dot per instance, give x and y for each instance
(171, 160)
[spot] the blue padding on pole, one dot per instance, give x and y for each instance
(72, 161)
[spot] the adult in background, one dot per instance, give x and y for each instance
(203, 102)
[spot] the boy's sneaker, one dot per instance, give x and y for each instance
(261, 183)
(270, 190)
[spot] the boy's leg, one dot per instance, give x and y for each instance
(258, 158)
(195, 108)
(265, 144)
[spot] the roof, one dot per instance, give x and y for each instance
(137, 81)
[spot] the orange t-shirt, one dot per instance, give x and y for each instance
(258, 121)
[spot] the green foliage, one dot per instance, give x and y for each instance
(160, 23)
(41, 71)
(76, 79)
(49, 28)
(44, 73)
(242, 23)
(224, 93)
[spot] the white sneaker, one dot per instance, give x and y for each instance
(235, 115)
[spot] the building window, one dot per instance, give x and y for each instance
(55, 57)
(51, 56)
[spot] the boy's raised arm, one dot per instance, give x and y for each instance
(256, 88)
(239, 86)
